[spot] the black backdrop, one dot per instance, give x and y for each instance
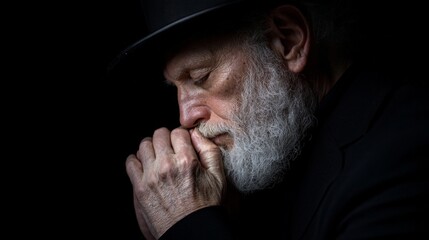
(71, 127)
(68, 127)
(111, 116)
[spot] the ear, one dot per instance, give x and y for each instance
(289, 35)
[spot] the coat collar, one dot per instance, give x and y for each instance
(344, 115)
(348, 109)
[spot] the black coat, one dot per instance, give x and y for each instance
(363, 175)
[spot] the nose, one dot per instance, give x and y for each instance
(192, 110)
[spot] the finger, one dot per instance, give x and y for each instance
(162, 142)
(146, 152)
(208, 152)
(182, 144)
(134, 169)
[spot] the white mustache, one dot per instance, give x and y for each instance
(213, 130)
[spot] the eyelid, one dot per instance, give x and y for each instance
(199, 73)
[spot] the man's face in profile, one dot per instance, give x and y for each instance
(242, 97)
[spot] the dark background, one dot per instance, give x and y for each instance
(69, 128)
(102, 121)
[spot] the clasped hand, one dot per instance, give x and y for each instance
(173, 174)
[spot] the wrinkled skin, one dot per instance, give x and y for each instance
(176, 173)
(173, 174)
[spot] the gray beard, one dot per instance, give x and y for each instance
(269, 123)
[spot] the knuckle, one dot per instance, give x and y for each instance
(145, 142)
(160, 131)
(140, 190)
(178, 132)
(165, 169)
(129, 165)
(141, 193)
(152, 181)
(187, 161)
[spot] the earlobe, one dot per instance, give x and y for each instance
(290, 36)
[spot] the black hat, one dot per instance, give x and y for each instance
(169, 20)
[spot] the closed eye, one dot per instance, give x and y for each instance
(201, 80)
(200, 75)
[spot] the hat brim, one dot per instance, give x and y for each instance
(146, 56)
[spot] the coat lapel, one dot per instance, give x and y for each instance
(344, 116)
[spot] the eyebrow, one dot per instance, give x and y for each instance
(183, 71)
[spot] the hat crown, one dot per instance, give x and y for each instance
(161, 13)
(163, 17)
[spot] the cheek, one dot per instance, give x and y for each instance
(230, 79)
(228, 96)
(224, 109)
(228, 87)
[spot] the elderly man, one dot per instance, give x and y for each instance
(287, 130)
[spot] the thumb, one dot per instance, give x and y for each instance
(209, 153)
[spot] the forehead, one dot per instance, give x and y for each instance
(202, 44)
(200, 51)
